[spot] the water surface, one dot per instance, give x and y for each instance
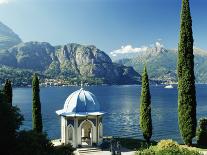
(121, 104)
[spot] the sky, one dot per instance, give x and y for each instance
(108, 24)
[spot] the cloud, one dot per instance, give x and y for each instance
(4, 2)
(128, 49)
(159, 45)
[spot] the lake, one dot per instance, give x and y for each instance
(121, 104)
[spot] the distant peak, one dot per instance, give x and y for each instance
(129, 51)
(8, 37)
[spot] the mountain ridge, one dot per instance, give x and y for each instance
(68, 61)
(162, 64)
(8, 37)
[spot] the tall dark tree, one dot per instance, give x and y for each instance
(186, 78)
(36, 105)
(10, 119)
(8, 92)
(145, 108)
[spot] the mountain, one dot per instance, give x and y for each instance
(7, 37)
(68, 61)
(161, 64)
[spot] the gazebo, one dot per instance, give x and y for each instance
(81, 120)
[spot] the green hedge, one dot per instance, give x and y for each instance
(201, 133)
(167, 147)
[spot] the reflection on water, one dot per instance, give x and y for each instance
(121, 104)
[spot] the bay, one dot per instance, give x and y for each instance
(121, 104)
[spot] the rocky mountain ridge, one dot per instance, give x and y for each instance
(162, 62)
(68, 61)
(7, 37)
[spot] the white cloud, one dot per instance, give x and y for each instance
(128, 49)
(159, 45)
(4, 2)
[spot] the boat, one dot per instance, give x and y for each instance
(169, 86)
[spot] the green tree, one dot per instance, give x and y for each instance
(36, 105)
(33, 143)
(201, 133)
(186, 78)
(10, 119)
(8, 92)
(145, 108)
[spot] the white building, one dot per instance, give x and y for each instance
(81, 120)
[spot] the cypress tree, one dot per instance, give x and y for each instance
(186, 78)
(36, 105)
(145, 108)
(10, 119)
(8, 92)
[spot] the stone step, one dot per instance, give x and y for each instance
(88, 150)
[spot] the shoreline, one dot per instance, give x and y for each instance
(53, 86)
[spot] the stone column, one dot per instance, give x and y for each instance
(63, 129)
(97, 129)
(75, 131)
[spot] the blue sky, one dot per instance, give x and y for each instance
(108, 24)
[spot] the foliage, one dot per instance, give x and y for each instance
(10, 119)
(201, 133)
(33, 143)
(36, 105)
(134, 144)
(22, 77)
(186, 79)
(145, 108)
(18, 77)
(167, 147)
(105, 144)
(165, 144)
(53, 70)
(64, 150)
(8, 92)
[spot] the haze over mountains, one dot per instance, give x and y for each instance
(7, 37)
(63, 61)
(161, 62)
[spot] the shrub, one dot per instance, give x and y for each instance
(177, 151)
(105, 145)
(10, 119)
(64, 150)
(167, 147)
(33, 143)
(201, 134)
(166, 144)
(134, 144)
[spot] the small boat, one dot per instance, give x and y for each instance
(169, 86)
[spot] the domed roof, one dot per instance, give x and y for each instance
(80, 102)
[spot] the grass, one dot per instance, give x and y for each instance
(134, 144)
(139, 144)
(196, 147)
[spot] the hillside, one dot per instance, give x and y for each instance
(7, 37)
(68, 61)
(162, 62)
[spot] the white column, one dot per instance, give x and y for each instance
(97, 129)
(63, 129)
(75, 132)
